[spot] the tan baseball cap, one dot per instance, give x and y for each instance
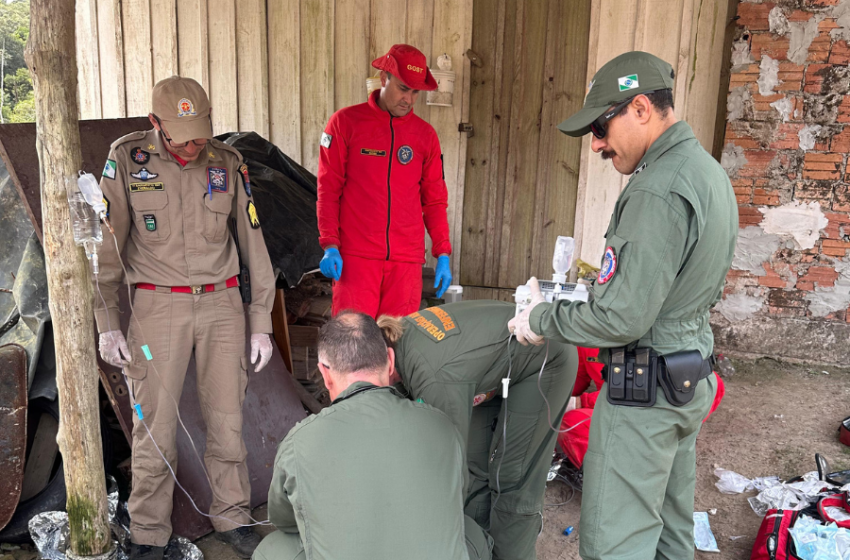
(183, 107)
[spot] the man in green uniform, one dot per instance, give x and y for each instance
(374, 476)
(461, 359)
(669, 245)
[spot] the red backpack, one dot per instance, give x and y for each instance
(773, 541)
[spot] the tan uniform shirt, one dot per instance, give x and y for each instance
(172, 232)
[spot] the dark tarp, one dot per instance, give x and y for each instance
(285, 196)
(24, 315)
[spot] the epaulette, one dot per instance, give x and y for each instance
(138, 135)
(219, 145)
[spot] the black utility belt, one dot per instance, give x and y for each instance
(633, 376)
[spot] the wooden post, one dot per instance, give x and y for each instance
(51, 56)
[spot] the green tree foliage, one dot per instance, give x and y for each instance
(18, 104)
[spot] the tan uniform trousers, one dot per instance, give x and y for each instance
(173, 325)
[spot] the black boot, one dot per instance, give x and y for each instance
(145, 552)
(243, 540)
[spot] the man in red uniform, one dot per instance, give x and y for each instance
(380, 185)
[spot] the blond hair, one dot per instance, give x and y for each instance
(392, 329)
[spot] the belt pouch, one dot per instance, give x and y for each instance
(631, 377)
(617, 374)
(680, 374)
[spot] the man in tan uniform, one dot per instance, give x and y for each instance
(171, 193)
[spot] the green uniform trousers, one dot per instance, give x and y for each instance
(507, 480)
(639, 479)
(287, 546)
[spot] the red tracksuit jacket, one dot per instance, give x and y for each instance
(381, 184)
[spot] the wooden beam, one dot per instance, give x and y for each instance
(252, 54)
(88, 71)
(164, 39)
(317, 74)
(450, 36)
(280, 327)
(479, 197)
(284, 36)
(138, 56)
(193, 40)
(351, 52)
(111, 49)
(223, 62)
(418, 32)
(51, 57)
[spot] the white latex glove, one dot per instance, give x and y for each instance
(261, 345)
(113, 349)
(520, 325)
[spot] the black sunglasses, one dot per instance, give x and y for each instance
(597, 127)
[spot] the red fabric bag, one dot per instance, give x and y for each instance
(773, 541)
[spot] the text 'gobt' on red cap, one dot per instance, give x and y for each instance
(409, 64)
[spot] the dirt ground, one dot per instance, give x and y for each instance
(774, 418)
(744, 435)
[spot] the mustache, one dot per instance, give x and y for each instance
(608, 155)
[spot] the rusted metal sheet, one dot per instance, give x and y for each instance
(17, 148)
(13, 427)
(271, 408)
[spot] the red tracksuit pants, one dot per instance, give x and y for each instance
(378, 287)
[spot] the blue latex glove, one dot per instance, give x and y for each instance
(331, 263)
(444, 274)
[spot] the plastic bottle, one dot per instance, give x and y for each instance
(86, 224)
(724, 366)
(562, 259)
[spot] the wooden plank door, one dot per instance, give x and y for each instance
(521, 172)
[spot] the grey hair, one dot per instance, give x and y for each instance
(350, 342)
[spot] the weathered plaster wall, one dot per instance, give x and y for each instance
(788, 139)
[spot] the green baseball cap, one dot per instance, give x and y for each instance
(625, 76)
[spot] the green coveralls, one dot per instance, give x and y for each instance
(454, 357)
(372, 477)
(673, 233)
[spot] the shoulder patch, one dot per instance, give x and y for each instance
(609, 266)
(246, 179)
(436, 323)
(326, 140)
(109, 169)
(253, 219)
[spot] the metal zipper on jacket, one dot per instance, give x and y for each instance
(389, 191)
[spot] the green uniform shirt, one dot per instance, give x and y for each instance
(673, 235)
(370, 476)
(455, 356)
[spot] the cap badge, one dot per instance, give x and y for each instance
(414, 68)
(185, 108)
(628, 82)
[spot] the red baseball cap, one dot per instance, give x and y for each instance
(409, 64)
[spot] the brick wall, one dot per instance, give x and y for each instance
(788, 87)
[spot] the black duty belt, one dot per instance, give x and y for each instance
(633, 376)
